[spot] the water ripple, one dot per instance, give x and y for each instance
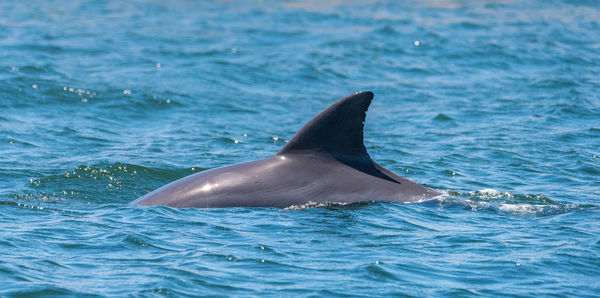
(494, 104)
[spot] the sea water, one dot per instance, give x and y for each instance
(494, 103)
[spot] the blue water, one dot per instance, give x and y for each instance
(494, 103)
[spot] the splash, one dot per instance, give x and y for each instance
(507, 202)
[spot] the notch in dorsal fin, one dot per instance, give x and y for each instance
(336, 130)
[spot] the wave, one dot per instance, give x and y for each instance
(507, 202)
(102, 183)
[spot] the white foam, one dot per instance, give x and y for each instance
(311, 204)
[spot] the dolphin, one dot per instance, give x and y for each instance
(324, 162)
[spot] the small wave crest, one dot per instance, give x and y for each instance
(114, 183)
(311, 204)
(507, 202)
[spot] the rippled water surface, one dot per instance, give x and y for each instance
(494, 103)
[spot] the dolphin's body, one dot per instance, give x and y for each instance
(326, 161)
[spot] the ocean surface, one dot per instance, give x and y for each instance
(494, 103)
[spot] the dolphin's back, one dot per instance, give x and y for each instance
(325, 161)
(282, 181)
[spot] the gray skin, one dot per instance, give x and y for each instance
(325, 162)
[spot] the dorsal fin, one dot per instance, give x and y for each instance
(337, 130)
